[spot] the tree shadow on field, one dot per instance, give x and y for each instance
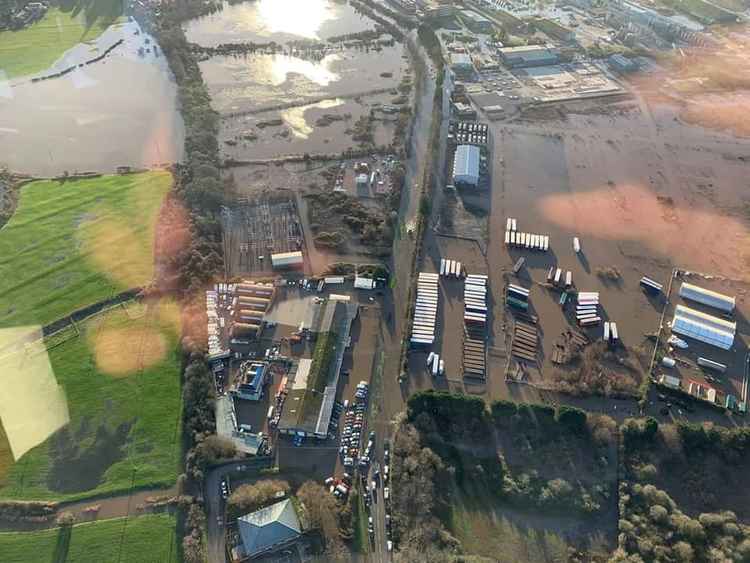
(60, 555)
(79, 463)
(102, 12)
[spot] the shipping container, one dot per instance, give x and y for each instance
(442, 266)
(545, 245)
(613, 331)
(590, 321)
(507, 237)
(576, 245)
(508, 224)
(513, 225)
(513, 235)
(710, 364)
(568, 279)
(430, 357)
(558, 275)
(606, 332)
(650, 285)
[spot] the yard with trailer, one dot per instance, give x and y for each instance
(75, 242)
(138, 539)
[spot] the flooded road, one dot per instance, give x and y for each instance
(121, 110)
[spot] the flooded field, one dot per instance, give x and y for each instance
(293, 102)
(118, 111)
(276, 20)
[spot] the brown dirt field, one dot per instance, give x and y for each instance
(121, 352)
(718, 112)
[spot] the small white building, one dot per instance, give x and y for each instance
(282, 260)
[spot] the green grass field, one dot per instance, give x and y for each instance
(121, 384)
(71, 244)
(142, 539)
(35, 48)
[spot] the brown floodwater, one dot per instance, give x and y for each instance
(119, 111)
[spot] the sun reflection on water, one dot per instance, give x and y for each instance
(297, 17)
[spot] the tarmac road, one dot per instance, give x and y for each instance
(215, 502)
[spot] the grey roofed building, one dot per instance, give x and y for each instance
(268, 528)
(466, 165)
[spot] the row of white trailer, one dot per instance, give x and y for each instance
(425, 310)
(475, 299)
(587, 309)
(215, 322)
(451, 268)
(529, 241)
(611, 335)
(560, 277)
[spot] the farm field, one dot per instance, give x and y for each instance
(113, 420)
(33, 49)
(142, 539)
(71, 244)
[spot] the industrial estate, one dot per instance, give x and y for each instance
(374, 280)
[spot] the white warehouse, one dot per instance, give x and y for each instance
(466, 165)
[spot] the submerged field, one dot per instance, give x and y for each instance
(98, 412)
(142, 539)
(33, 49)
(71, 244)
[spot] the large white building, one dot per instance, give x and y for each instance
(466, 166)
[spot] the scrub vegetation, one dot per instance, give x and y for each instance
(463, 468)
(127, 540)
(120, 379)
(75, 242)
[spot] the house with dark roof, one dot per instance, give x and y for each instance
(267, 530)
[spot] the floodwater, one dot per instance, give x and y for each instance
(255, 82)
(264, 21)
(251, 90)
(118, 111)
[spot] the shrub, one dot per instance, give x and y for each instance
(574, 419)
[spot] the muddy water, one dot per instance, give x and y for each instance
(119, 111)
(256, 82)
(263, 21)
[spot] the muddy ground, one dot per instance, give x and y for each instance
(643, 191)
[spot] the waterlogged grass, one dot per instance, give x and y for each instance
(142, 539)
(71, 244)
(35, 48)
(486, 532)
(120, 383)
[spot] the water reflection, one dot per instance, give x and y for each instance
(294, 17)
(295, 117)
(276, 20)
(277, 69)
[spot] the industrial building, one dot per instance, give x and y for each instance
(477, 22)
(707, 297)
(703, 327)
(312, 388)
(462, 65)
(266, 530)
(463, 111)
(287, 260)
(622, 64)
(528, 56)
(251, 381)
(466, 166)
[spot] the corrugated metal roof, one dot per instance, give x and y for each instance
(466, 164)
(703, 332)
(707, 297)
(710, 320)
